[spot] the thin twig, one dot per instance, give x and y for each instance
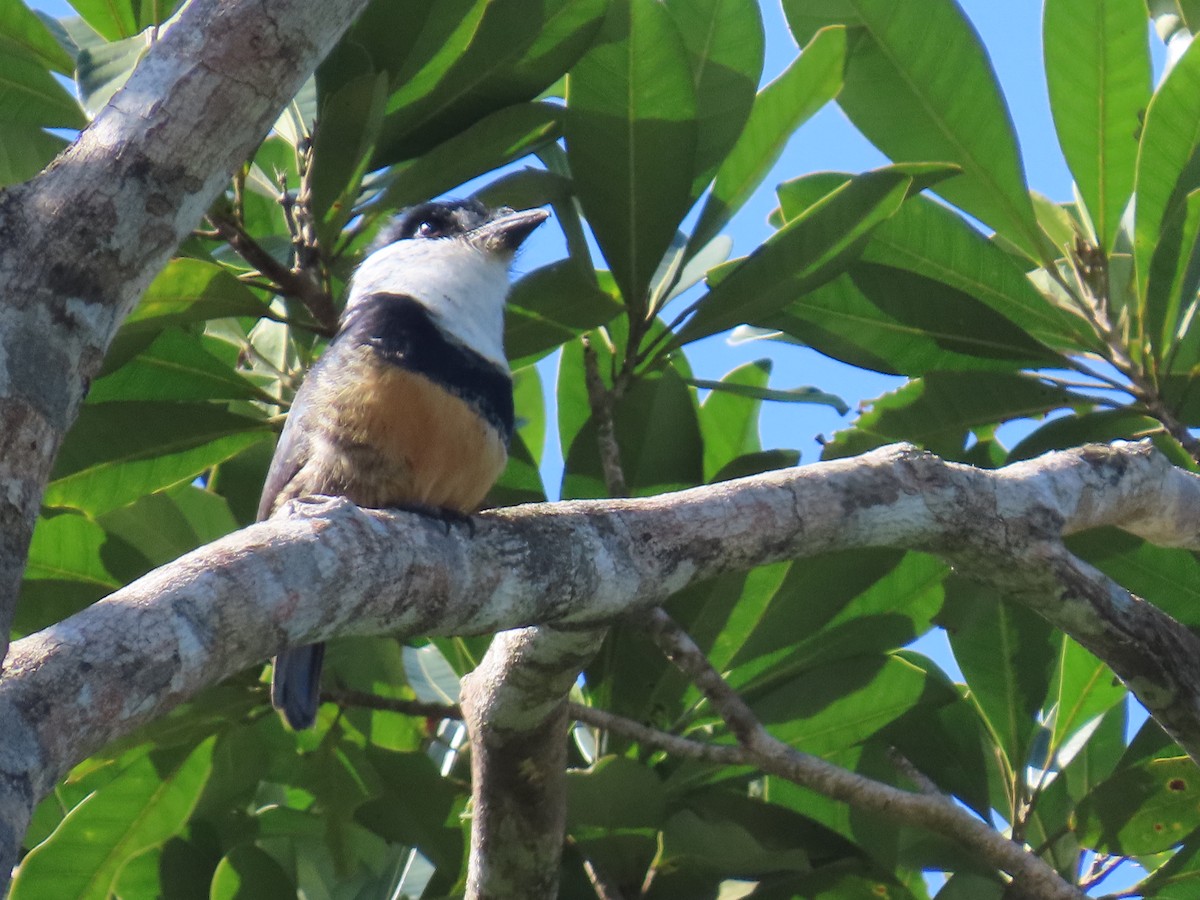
(937, 812)
(292, 283)
(600, 399)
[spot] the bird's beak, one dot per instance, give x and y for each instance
(506, 232)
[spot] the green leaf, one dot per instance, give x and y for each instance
(786, 395)
(1007, 655)
(807, 251)
(848, 604)
(493, 141)
(102, 68)
(165, 525)
(919, 85)
(1083, 428)
(938, 411)
(1168, 170)
(344, 142)
(902, 323)
(834, 706)
(1083, 688)
(177, 366)
(23, 32)
(729, 420)
(551, 306)
(656, 430)
(615, 793)
(24, 151)
(690, 842)
(68, 548)
(928, 239)
(1098, 72)
(1142, 809)
(186, 291)
(141, 808)
(812, 80)
(248, 873)
(725, 45)
(630, 126)
(192, 290)
(416, 807)
(29, 95)
(113, 19)
(1167, 577)
(117, 452)
(473, 58)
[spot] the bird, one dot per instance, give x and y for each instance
(411, 405)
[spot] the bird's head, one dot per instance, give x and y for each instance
(452, 256)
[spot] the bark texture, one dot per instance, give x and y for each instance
(515, 707)
(81, 241)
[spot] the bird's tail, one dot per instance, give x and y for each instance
(296, 684)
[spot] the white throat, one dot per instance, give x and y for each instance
(462, 287)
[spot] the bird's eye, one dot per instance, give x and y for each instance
(429, 229)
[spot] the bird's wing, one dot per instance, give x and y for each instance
(290, 455)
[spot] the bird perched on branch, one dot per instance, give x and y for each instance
(411, 405)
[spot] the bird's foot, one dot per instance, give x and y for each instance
(446, 516)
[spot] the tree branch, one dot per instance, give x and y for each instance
(79, 243)
(930, 809)
(292, 282)
(328, 568)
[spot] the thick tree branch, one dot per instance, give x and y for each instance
(515, 707)
(516, 838)
(329, 568)
(79, 243)
(928, 808)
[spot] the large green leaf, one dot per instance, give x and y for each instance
(551, 306)
(939, 410)
(725, 44)
(113, 19)
(493, 141)
(1142, 809)
(24, 151)
(920, 86)
(835, 606)
(1168, 170)
(656, 429)
(68, 548)
(729, 422)
(250, 873)
(835, 706)
(178, 365)
(1098, 72)
(475, 57)
(927, 238)
(898, 322)
(102, 68)
(23, 33)
(812, 80)
(809, 250)
(1167, 577)
(349, 122)
(631, 134)
(29, 95)
(141, 808)
(615, 793)
(1083, 689)
(117, 452)
(1007, 655)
